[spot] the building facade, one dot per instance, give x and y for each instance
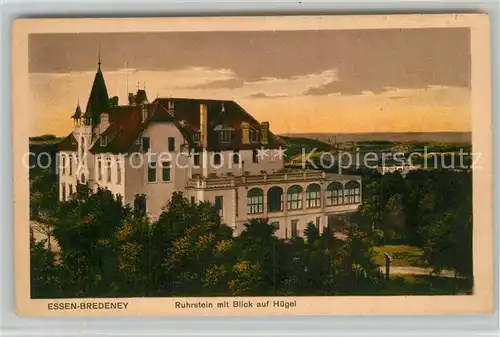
(210, 150)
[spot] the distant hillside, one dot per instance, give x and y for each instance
(296, 144)
(393, 137)
(45, 139)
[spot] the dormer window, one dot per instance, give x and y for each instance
(225, 136)
(104, 140)
(253, 136)
(196, 137)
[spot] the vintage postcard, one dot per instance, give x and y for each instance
(253, 165)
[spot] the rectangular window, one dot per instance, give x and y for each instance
(318, 222)
(171, 144)
(252, 135)
(294, 200)
(70, 165)
(217, 158)
(70, 189)
(63, 191)
(99, 169)
(255, 157)
(225, 136)
(219, 205)
(236, 156)
(196, 137)
(196, 159)
(347, 196)
(108, 170)
(256, 204)
(193, 200)
(118, 173)
(165, 173)
(313, 199)
(63, 164)
(145, 144)
(295, 225)
(152, 172)
(236, 197)
(335, 196)
(140, 205)
(352, 195)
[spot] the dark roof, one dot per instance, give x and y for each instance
(126, 124)
(98, 100)
(68, 143)
(78, 112)
(140, 97)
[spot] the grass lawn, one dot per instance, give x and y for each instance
(402, 255)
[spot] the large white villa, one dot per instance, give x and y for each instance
(210, 150)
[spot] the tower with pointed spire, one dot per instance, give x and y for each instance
(77, 116)
(98, 99)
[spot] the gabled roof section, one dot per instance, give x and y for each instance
(126, 124)
(227, 114)
(68, 143)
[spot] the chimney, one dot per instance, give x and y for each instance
(203, 124)
(113, 101)
(171, 107)
(245, 137)
(264, 132)
(131, 98)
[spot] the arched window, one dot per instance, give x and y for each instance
(255, 201)
(313, 196)
(82, 179)
(334, 194)
(275, 199)
(294, 197)
(352, 192)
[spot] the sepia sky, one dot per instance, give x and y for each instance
(331, 81)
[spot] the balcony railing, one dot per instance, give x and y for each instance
(230, 181)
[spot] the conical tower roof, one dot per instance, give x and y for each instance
(98, 100)
(78, 112)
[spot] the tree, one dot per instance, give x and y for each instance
(359, 270)
(312, 233)
(86, 228)
(258, 246)
(449, 245)
(43, 201)
(46, 280)
(191, 248)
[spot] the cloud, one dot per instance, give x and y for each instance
(55, 96)
(231, 83)
(167, 80)
(263, 95)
